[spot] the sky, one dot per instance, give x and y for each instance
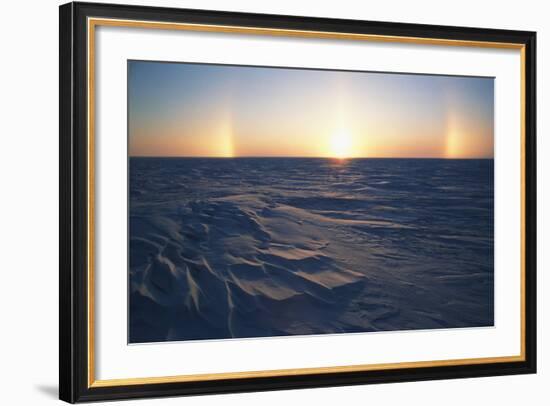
(204, 110)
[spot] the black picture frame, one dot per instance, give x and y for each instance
(74, 385)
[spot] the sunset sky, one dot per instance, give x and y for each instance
(179, 109)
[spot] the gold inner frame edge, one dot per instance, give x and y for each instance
(92, 23)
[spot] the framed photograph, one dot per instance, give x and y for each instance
(256, 202)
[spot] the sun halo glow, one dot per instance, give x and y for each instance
(340, 145)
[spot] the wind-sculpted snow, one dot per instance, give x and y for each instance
(255, 247)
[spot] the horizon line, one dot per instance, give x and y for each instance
(298, 157)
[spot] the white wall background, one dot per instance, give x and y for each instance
(29, 189)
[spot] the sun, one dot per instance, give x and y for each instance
(340, 145)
